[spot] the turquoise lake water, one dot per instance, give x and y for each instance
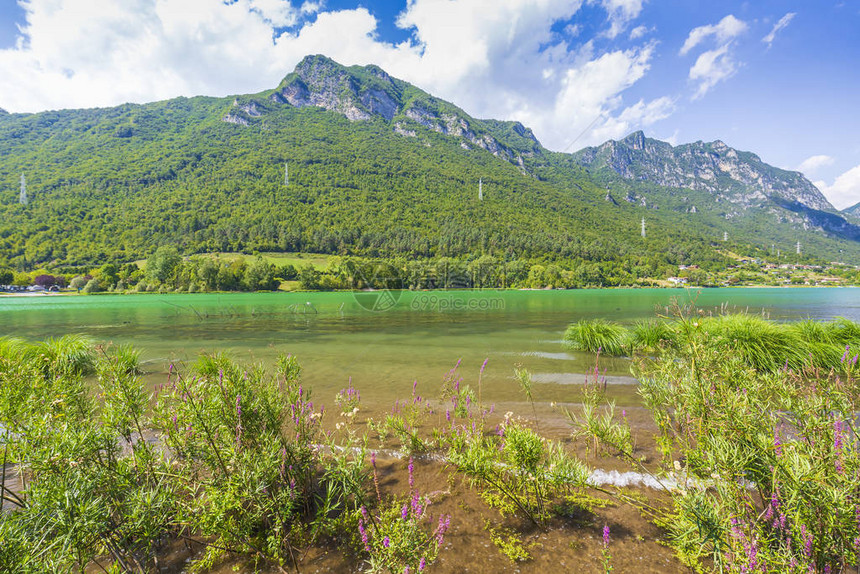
(409, 336)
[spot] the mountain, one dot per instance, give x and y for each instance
(728, 174)
(376, 167)
(853, 211)
(713, 178)
(363, 94)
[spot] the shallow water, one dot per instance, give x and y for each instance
(338, 336)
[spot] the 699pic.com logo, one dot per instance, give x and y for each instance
(376, 286)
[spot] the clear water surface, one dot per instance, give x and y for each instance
(418, 336)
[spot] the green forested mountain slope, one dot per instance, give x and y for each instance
(376, 167)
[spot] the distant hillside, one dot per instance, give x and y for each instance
(853, 211)
(750, 199)
(375, 166)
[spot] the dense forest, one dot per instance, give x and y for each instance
(208, 175)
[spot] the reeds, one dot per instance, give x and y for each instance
(653, 336)
(597, 336)
(761, 344)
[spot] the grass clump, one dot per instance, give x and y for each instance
(517, 470)
(653, 336)
(761, 344)
(68, 355)
(597, 336)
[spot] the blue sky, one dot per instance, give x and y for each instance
(779, 78)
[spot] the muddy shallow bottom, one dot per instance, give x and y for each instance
(572, 542)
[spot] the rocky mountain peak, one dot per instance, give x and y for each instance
(364, 93)
(853, 211)
(726, 173)
(356, 92)
(636, 140)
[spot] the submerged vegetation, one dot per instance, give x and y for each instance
(756, 449)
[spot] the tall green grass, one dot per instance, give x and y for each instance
(67, 355)
(597, 335)
(653, 335)
(760, 343)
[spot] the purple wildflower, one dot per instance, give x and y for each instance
(807, 541)
(442, 528)
(405, 512)
(416, 504)
(605, 536)
(363, 531)
(422, 564)
(386, 542)
(411, 474)
(837, 444)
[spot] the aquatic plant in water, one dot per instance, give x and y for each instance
(597, 335)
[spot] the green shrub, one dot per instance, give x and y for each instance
(761, 462)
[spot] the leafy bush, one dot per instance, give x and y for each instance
(762, 462)
(85, 495)
(518, 471)
(248, 441)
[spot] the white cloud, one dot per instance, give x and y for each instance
(783, 22)
(620, 12)
(718, 64)
(278, 12)
(814, 163)
(712, 67)
(573, 30)
(582, 111)
(642, 114)
(310, 7)
(845, 190)
(638, 32)
(724, 30)
(631, 118)
(494, 58)
(672, 139)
